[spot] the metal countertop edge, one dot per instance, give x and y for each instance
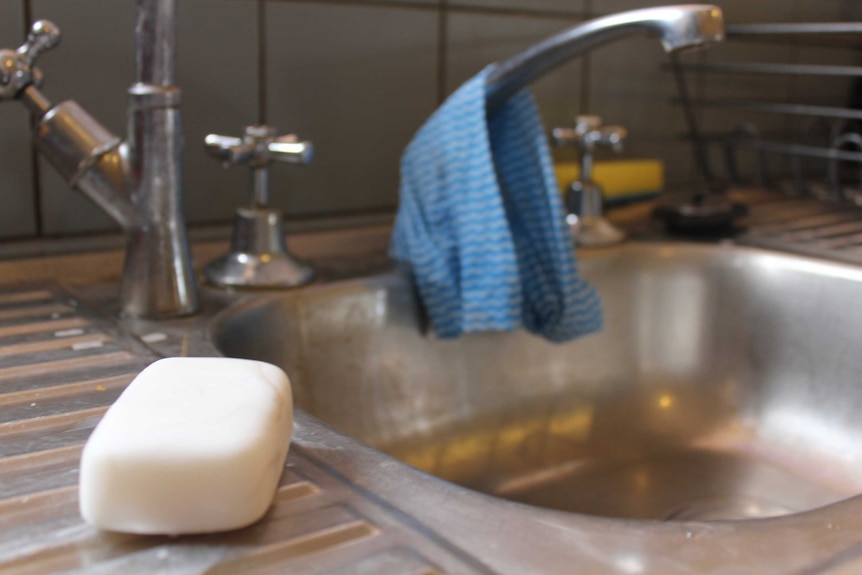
(491, 535)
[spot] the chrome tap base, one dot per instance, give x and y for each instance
(584, 203)
(258, 257)
(595, 231)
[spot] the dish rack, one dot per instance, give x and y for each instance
(808, 155)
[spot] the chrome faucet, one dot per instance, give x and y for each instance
(678, 27)
(137, 181)
(258, 256)
(584, 206)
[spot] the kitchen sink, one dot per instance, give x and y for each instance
(726, 384)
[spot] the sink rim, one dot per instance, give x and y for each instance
(830, 513)
(487, 535)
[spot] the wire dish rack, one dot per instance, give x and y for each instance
(807, 154)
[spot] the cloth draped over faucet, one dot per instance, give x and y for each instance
(481, 223)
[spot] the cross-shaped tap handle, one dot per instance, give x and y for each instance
(16, 66)
(259, 146)
(43, 36)
(587, 133)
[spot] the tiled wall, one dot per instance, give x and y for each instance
(17, 215)
(358, 78)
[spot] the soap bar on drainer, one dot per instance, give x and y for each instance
(193, 445)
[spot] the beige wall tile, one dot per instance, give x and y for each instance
(827, 10)
(477, 40)
(94, 65)
(217, 72)
(629, 86)
(358, 82)
(568, 6)
(359, 79)
(16, 188)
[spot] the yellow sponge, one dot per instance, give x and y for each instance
(618, 178)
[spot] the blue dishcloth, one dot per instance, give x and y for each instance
(481, 223)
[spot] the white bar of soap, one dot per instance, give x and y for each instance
(193, 445)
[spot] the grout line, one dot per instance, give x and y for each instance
(520, 12)
(27, 17)
(35, 174)
(586, 68)
(36, 181)
(369, 3)
(261, 63)
(460, 8)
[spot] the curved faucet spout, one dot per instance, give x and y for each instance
(678, 27)
(137, 181)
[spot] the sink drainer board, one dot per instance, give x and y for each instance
(806, 226)
(61, 366)
(725, 385)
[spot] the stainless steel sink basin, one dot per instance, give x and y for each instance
(727, 384)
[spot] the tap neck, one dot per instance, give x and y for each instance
(155, 42)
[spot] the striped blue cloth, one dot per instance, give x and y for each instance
(481, 223)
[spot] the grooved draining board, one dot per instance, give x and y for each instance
(805, 226)
(61, 366)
